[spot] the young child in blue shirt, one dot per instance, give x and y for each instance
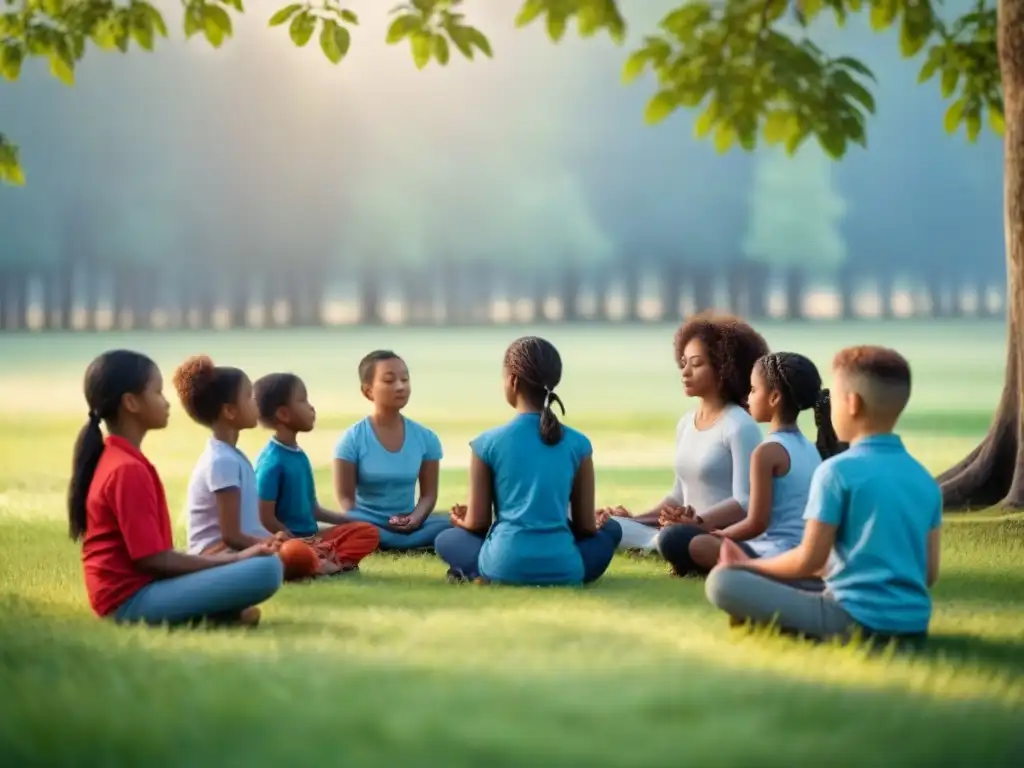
(380, 460)
(874, 508)
(538, 478)
(284, 480)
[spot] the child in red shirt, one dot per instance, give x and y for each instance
(117, 508)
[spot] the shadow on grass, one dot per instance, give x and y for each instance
(142, 697)
(1002, 588)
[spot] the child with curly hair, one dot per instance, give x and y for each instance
(715, 354)
(874, 511)
(782, 385)
(223, 506)
(285, 485)
(118, 509)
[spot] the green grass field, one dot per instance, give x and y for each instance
(396, 667)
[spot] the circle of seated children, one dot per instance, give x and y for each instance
(766, 518)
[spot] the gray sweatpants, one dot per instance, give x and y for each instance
(748, 596)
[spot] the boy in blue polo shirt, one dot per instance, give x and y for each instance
(874, 509)
(285, 485)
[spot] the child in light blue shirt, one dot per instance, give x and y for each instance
(538, 478)
(380, 461)
(874, 508)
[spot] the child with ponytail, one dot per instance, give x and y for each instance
(118, 510)
(782, 385)
(537, 476)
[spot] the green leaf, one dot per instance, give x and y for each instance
(778, 125)
(616, 26)
(661, 106)
(954, 116)
(635, 65)
(529, 12)
(725, 137)
(914, 33)
(480, 41)
(883, 14)
(934, 60)
(193, 22)
(973, 123)
(284, 14)
(996, 121)
(703, 125)
(334, 40)
(155, 19)
(950, 78)
(854, 90)
(216, 24)
(441, 50)
(422, 48)
(402, 27)
(833, 142)
(349, 17)
(236, 4)
(556, 26)
(302, 28)
(854, 65)
(62, 67)
(11, 57)
(588, 21)
(142, 31)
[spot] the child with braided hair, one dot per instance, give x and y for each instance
(782, 385)
(530, 517)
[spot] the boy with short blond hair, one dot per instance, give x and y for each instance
(874, 509)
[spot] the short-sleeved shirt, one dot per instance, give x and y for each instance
(386, 480)
(127, 520)
(284, 475)
(713, 464)
(220, 467)
(884, 505)
(530, 541)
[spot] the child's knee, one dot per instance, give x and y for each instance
(265, 574)
(725, 589)
(704, 551)
(613, 530)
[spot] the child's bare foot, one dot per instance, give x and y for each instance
(250, 617)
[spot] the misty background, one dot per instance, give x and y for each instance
(259, 172)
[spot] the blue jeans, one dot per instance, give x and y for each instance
(422, 538)
(461, 550)
(213, 593)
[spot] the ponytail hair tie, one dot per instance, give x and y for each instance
(821, 406)
(94, 417)
(547, 397)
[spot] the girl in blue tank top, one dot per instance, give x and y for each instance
(781, 386)
(530, 516)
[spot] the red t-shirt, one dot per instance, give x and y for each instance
(126, 520)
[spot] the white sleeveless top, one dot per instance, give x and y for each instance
(789, 495)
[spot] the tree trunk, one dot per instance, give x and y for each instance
(90, 296)
(756, 280)
(795, 286)
(936, 296)
(66, 301)
(885, 290)
(19, 300)
(993, 473)
(5, 299)
(600, 287)
(481, 291)
(369, 297)
(570, 298)
(238, 301)
(631, 291)
(734, 286)
(703, 289)
(48, 299)
(143, 299)
(671, 288)
(847, 290)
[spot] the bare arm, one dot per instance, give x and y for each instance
(322, 515)
(430, 472)
(167, 564)
(769, 460)
(934, 546)
(345, 484)
(481, 500)
(268, 518)
(229, 510)
(581, 501)
(805, 561)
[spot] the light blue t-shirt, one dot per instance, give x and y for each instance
(530, 541)
(884, 504)
(284, 476)
(385, 480)
(789, 495)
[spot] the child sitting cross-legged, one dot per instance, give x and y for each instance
(874, 508)
(284, 480)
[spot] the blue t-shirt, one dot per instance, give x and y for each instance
(385, 480)
(884, 504)
(285, 476)
(531, 541)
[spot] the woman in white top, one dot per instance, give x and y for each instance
(781, 386)
(714, 442)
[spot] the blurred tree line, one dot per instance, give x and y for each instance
(200, 180)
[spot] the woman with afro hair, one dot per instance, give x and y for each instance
(714, 441)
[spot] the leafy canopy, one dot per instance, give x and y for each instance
(749, 65)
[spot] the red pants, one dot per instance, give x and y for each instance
(346, 544)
